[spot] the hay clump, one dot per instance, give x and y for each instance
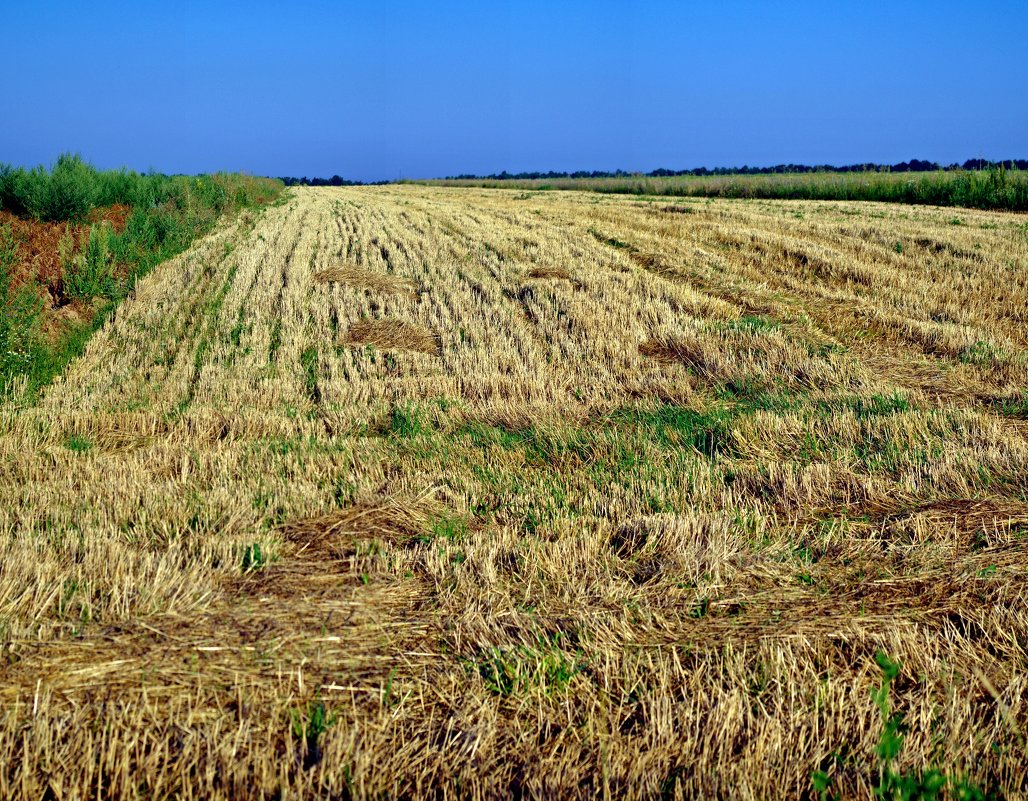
(549, 272)
(395, 520)
(395, 335)
(675, 349)
(357, 277)
(650, 261)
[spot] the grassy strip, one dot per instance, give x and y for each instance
(168, 214)
(994, 188)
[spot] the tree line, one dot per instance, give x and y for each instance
(914, 165)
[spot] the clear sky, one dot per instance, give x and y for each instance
(384, 89)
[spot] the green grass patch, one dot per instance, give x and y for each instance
(407, 421)
(1013, 407)
(982, 354)
(874, 406)
(750, 324)
(78, 444)
(747, 396)
(541, 445)
(452, 528)
(672, 427)
(513, 671)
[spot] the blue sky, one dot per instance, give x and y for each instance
(381, 90)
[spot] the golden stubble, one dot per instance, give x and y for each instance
(562, 494)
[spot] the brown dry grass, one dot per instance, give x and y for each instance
(394, 335)
(637, 534)
(549, 272)
(359, 278)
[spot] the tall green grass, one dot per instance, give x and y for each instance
(994, 188)
(71, 188)
(168, 213)
(19, 312)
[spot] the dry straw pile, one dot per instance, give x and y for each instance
(640, 533)
(394, 335)
(355, 276)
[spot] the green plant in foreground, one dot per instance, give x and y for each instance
(893, 784)
(309, 726)
(254, 558)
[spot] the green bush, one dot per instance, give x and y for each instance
(67, 192)
(9, 177)
(90, 273)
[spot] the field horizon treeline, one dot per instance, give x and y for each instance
(994, 188)
(75, 239)
(914, 165)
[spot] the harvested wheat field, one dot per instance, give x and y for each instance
(412, 491)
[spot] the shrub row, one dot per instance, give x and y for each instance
(992, 188)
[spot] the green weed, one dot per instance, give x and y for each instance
(892, 784)
(700, 609)
(21, 309)
(408, 422)
(450, 528)
(309, 726)
(519, 669)
(254, 558)
(674, 426)
(982, 354)
(751, 324)
(78, 444)
(90, 274)
(1014, 407)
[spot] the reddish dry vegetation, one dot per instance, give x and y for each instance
(37, 244)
